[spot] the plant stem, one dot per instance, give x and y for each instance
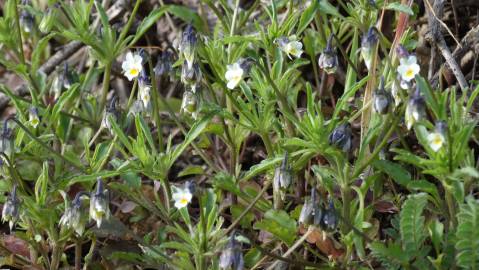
(267, 144)
(44, 145)
(19, 31)
(106, 86)
(78, 246)
(56, 253)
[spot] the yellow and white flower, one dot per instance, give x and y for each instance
(33, 118)
(132, 65)
(436, 140)
(291, 46)
(408, 68)
(234, 74)
(182, 197)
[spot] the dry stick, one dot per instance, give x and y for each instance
(436, 38)
(291, 249)
(440, 2)
(250, 206)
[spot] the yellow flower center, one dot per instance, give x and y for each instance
(409, 73)
(34, 122)
(437, 140)
(183, 201)
(134, 72)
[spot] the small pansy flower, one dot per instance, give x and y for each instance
(290, 46)
(182, 197)
(132, 65)
(190, 76)
(408, 68)
(415, 109)
(282, 179)
(72, 218)
(234, 74)
(99, 209)
(437, 138)
(27, 21)
(33, 118)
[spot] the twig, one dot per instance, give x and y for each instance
(440, 3)
(435, 38)
(294, 247)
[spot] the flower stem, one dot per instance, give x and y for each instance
(106, 87)
(19, 31)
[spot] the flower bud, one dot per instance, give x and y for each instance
(382, 99)
(99, 209)
(48, 19)
(189, 103)
(190, 76)
(282, 176)
(6, 139)
(341, 137)
(401, 52)
(111, 114)
(136, 108)
(11, 211)
(328, 60)
(232, 256)
(330, 218)
(188, 45)
(368, 45)
(27, 21)
(144, 90)
(33, 118)
(318, 210)
(62, 81)
(164, 64)
(416, 109)
(306, 211)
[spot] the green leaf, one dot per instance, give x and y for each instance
(399, 7)
(191, 170)
(187, 15)
(280, 224)
(394, 170)
(391, 256)
(467, 234)
(326, 7)
(307, 17)
(411, 223)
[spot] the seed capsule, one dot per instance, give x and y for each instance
(190, 76)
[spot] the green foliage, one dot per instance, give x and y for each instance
(467, 244)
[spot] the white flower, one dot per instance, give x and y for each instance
(144, 95)
(435, 140)
(182, 197)
(294, 48)
(408, 68)
(234, 74)
(132, 65)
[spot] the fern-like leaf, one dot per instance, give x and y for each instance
(467, 234)
(411, 223)
(391, 256)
